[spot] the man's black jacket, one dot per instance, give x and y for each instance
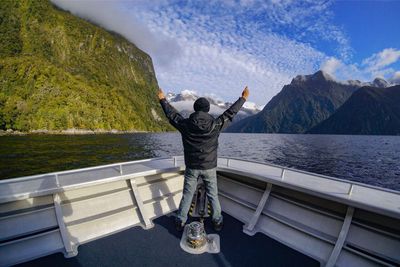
(200, 133)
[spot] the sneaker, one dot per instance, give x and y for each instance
(218, 226)
(179, 225)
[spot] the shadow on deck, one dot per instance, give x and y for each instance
(160, 247)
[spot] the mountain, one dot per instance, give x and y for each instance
(59, 72)
(377, 82)
(184, 101)
(369, 110)
(306, 101)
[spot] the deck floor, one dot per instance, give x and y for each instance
(160, 247)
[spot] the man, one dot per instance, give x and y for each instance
(200, 134)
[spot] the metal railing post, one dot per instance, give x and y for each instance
(350, 189)
(249, 228)
(120, 169)
(341, 238)
(57, 181)
(70, 249)
(139, 202)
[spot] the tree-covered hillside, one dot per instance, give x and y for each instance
(58, 72)
(370, 110)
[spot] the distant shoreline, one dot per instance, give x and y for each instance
(67, 132)
(10, 132)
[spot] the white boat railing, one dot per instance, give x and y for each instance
(36, 185)
(283, 169)
(350, 192)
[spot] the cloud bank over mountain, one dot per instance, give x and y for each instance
(377, 65)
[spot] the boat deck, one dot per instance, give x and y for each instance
(160, 247)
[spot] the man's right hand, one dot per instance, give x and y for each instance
(245, 93)
(160, 94)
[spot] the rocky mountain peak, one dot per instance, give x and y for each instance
(319, 76)
(322, 76)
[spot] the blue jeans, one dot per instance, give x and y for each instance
(189, 187)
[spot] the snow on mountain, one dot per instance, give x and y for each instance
(250, 106)
(185, 95)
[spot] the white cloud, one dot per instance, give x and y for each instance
(342, 71)
(370, 68)
(225, 71)
(331, 65)
(395, 79)
(222, 55)
(309, 21)
(382, 59)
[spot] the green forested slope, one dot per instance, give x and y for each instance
(58, 71)
(370, 110)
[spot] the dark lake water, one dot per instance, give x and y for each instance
(373, 160)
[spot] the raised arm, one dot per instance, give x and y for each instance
(172, 114)
(227, 117)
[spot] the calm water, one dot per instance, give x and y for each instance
(369, 159)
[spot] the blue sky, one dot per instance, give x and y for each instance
(370, 25)
(219, 46)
